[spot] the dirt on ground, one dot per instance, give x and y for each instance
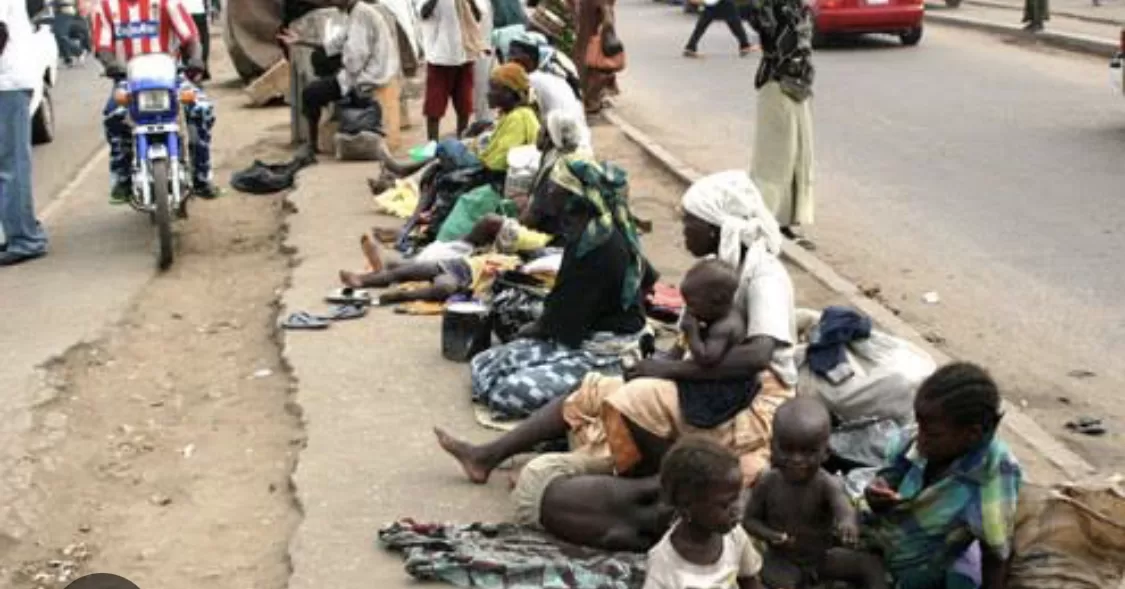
(163, 450)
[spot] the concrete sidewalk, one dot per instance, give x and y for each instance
(371, 389)
(1074, 25)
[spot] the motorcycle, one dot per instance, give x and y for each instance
(152, 91)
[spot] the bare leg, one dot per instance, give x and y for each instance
(433, 126)
(858, 568)
(404, 273)
(444, 287)
(400, 169)
(603, 511)
(371, 253)
(462, 124)
(478, 462)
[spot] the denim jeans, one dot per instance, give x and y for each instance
(17, 210)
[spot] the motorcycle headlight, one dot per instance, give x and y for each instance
(154, 101)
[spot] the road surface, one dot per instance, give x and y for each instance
(79, 97)
(989, 173)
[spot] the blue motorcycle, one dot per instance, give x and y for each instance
(154, 94)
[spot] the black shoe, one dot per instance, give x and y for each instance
(8, 258)
(305, 156)
(206, 190)
(121, 194)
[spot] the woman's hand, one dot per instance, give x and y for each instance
(652, 368)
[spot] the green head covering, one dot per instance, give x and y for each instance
(603, 188)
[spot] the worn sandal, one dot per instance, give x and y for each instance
(345, 312)
(349, 296)
(304, 320)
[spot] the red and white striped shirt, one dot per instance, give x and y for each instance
(137, 27)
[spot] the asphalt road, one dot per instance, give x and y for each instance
(989, 173)
(78, 98)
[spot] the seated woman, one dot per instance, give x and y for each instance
(943, 509)
(594, 312)
(624, 428)
(488, 145)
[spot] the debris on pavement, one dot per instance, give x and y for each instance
(1089, 426)
(1081, 374)
(931, 298)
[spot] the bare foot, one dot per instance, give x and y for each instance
(381, 184)
(371, 252)
(464, 453)
(352, 279)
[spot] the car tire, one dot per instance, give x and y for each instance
(819, 39)
(952, 3)
(43, 122)
(912, 37)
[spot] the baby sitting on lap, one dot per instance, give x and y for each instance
(712, 324)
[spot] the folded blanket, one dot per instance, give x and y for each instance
(506, 556)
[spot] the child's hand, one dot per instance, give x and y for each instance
(880, 496)
(783, 540)
(848, 532)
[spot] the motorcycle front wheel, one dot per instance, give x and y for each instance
(162, 215)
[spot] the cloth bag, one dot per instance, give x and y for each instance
(1069, 536)
(471, 36)
(887, 372)
(605, 52)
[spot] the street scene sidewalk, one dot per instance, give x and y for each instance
(163, 426)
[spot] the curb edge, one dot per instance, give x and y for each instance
(1071, 464)
(1068, 41)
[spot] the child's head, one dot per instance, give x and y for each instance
(702, 481)
(800, 438)
(708, 290)
(957, 408)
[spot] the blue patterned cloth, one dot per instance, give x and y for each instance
(505, 556)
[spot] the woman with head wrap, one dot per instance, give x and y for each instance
(593, 313)
(516, 125)
(624, 428)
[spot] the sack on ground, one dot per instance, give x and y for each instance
(1069, 537)
(359, 115)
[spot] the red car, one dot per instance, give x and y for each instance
(851, 17)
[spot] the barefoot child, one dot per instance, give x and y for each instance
(797, 508)
(448, 277)
(942, 510)
(711, 324)
(706, 548)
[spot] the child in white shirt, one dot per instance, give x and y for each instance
(706, 548)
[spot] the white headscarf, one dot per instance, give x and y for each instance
(568, 130)
(731, 202)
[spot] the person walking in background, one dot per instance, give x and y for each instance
(782, 165)
(1035, 13)
(451, 41)
(25, 237)
(199, 13)
(595, 23)
(482, 67)
(719, 10)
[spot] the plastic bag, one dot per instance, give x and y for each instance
(517, 301)
(865, 442)
(887, 373)
(359, 115)
(469, 209)
(1069, 537)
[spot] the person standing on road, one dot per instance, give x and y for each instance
(722, 10)
(782, 165)
(25, 237)
(198, 10)
(1035, 13)
(452, 41)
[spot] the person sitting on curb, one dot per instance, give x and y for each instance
(942, 511)
(368, 53)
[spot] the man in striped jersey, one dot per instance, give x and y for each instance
(124, 29)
